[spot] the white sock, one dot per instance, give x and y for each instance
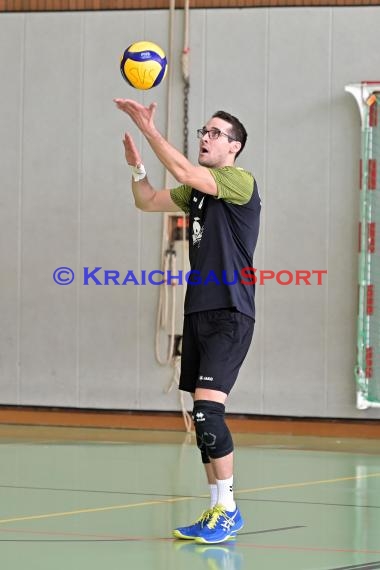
(213, 495)
(226, 493)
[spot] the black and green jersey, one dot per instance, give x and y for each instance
(223, 235)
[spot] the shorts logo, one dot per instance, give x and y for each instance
(206, 378)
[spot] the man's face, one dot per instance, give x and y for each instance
(219, 151)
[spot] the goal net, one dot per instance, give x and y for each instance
(367, 369)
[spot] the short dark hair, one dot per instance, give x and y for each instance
(238, 131)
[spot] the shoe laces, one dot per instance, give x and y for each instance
(218, 511)
(205, 516)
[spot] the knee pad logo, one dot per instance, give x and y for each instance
(208, 439)
(199, 417)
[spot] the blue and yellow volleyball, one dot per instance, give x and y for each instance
(144, 65)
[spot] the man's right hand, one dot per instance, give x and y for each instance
(132, 155)
(142, 116)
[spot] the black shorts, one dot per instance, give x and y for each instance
(214, 346)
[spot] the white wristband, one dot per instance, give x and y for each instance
(138, 172)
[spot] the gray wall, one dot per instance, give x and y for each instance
(65, 201)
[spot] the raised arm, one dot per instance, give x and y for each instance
(178, 165)
(146, 197)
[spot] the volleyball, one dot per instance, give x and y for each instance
(143, 65)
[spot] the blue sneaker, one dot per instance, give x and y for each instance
(223, 525)
(191, 532)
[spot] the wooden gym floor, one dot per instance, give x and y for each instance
(92, 497)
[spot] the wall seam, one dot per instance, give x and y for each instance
(20, 215)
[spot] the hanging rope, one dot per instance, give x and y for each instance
(186, 88)
(164, 307)
(166, 311)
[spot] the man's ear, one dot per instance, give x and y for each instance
(236, 146)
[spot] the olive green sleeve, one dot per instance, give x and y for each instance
(234, 185)
(181, 197)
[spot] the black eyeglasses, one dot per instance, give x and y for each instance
(213, 134)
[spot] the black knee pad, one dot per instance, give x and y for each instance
(213, 436)
(205, 456)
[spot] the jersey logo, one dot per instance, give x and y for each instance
(197, 232)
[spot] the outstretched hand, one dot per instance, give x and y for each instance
(132, 155)
(143, 117)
